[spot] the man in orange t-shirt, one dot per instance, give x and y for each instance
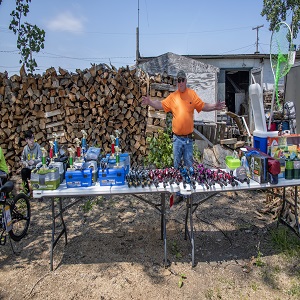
(182, 104)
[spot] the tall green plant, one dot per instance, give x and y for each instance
(160, 149)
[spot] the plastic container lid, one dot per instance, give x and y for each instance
(265, 134)
(232, 162)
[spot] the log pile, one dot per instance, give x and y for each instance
(274, 203)
(98, 100)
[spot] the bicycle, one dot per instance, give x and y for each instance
(14, 210)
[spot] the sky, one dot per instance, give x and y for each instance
(81, 33)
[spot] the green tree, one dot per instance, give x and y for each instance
(279, 10)
(30, 37)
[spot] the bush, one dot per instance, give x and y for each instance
(161, 150)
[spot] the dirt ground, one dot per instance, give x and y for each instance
(114, 251)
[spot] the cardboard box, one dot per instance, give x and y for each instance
(290, 141)
(258, 166)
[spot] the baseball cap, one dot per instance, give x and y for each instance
(181, 74)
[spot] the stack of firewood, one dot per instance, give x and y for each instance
(98, 100)
(274, 203)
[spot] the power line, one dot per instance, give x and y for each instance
(251, 45)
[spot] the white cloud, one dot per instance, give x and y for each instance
(66, 22)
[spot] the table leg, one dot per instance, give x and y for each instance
(63, 231)
(296, 209)
(62, 220)
(163, 226)
(295, 206)
(186, 218)
(192, 230)
(52, 235)
(282, 208)
(189, 232)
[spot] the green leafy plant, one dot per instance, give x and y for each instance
(180, 282)
(197, 155)
(175, 250)
(160, 150)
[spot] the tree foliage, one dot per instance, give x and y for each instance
(30, 37)
(281, 10)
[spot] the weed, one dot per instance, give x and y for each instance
(258, 261)
(209, 294)
(175, 250)
(254, 286)
(294, 290)
(180, 282)
(90, 203)
(286, 242)
(277, 269)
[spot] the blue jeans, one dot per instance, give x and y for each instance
(182, 147)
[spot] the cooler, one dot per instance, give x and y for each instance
(260, 139)
(61, 169)
(45, 179)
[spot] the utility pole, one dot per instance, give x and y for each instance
(257, 28)
(137, 55)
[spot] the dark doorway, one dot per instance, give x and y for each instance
(236, 90)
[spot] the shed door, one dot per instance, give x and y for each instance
(257, 76)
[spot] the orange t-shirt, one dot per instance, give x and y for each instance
(182, 106)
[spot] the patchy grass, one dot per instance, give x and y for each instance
(286, 242)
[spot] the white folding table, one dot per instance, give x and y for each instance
(96, 190)
(189, 191)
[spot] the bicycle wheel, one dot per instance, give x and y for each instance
(20, 215)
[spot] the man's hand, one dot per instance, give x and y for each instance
(155, 104)
(146, 100)
(30, 163)
(220, 105)
(214, 106)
